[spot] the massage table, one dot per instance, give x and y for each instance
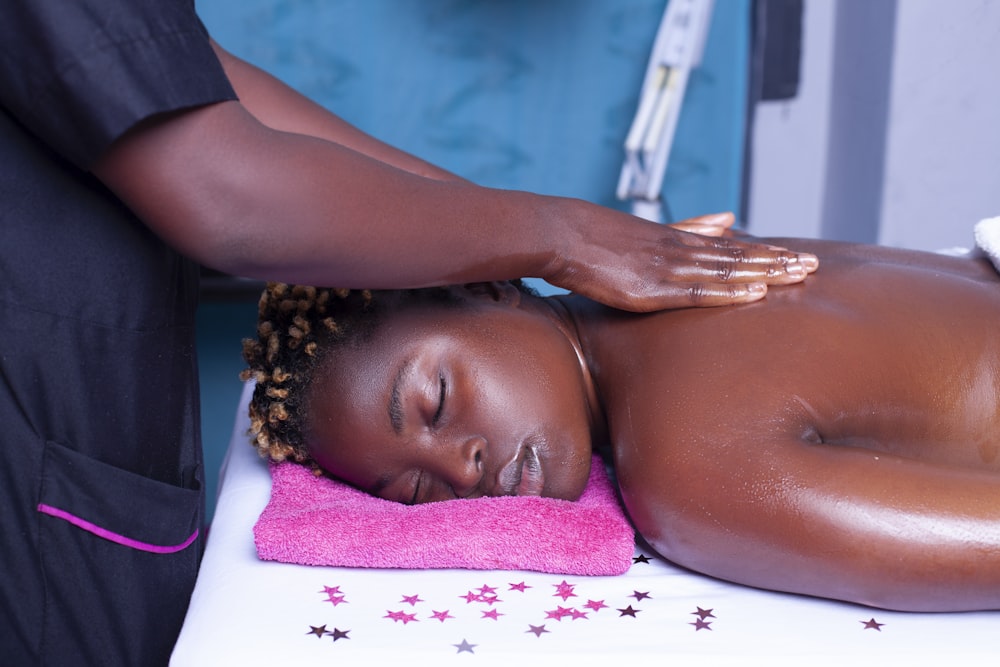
(245, 611)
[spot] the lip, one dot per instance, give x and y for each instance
(522, 476)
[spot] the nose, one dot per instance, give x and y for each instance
(464, 467)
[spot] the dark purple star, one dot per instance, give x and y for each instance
(465, 647)
(339, 634)
(318, 631)
(703, 613)
(872, 624)
(639, 596)
(576, 614)
(539, 630)
(628, 611)
(701, 624)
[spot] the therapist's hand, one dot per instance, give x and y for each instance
(642, 266)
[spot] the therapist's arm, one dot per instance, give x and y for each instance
(276, 187)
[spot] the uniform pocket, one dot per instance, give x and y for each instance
(120, 554)
(118, 505)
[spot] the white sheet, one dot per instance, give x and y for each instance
(248, 612)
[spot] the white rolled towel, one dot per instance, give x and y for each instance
(987, 235)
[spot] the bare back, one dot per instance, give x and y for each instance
(858, 413)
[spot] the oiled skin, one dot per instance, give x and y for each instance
(840, 438)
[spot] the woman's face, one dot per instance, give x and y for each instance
(480, 399)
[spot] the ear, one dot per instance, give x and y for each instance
(501, 291)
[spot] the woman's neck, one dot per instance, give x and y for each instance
(562, 310)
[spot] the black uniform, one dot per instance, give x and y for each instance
(100, 479)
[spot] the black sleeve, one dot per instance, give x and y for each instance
(79, 73)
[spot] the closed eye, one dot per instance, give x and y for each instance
(440, 408)
(416, 489)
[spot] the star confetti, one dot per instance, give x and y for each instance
(442, 615)
(595, 605)
(872, 624)
(487, 590)
(639, 595)
(564, 590)
(703, 613)
(493, 613)
(319, 631)
(701, 624)
(577, 614)
(465, 647)
(538, 630)
(628, 611)
(558, 613)
(411, 600)
(641, 558)
(333, 595)
(339, 634)
(521, 586)
(400, 615)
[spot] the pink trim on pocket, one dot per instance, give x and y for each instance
(115, 537)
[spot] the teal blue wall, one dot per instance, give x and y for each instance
(523, 94)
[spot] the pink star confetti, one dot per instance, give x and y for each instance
(577, 614)
(411, 600)
(521, 586)
(595, 605)
(333, 595)
(487, 590)
(558, 613)
(564, 590)
(493, 613)
(539, 630)
(400, 615)
(470, 597)
(442, 615)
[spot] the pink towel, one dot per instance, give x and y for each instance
(318, 521)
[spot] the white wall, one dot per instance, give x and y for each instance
(895, 135)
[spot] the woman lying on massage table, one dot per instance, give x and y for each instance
(839, 438)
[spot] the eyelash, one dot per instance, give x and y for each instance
(434, 422)
(440, 408)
